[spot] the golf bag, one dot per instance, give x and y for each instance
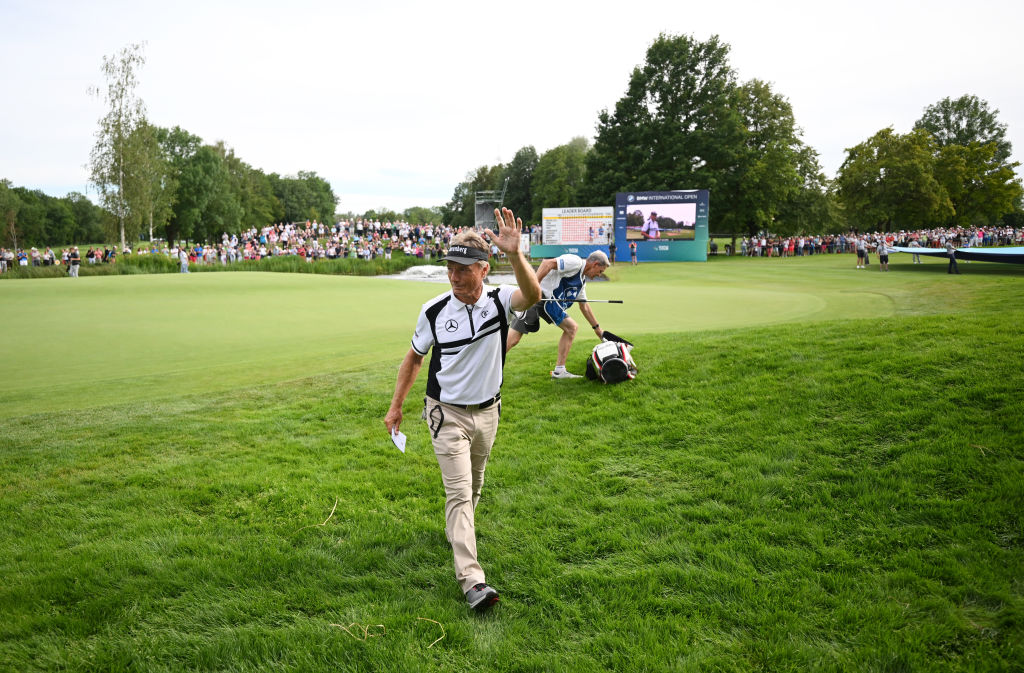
(611, 362)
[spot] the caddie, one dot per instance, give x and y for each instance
(562, 280)
(465, 330)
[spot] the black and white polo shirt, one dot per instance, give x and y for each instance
(468, 343)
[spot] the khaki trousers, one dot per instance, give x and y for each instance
(462, 443)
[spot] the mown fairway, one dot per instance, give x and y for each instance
(71, 343)
(819, 468)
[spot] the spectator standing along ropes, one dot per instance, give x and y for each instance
(74, 260)
(951, 252)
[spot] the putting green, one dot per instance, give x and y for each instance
(75, 343)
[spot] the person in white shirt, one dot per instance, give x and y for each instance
(915, 258)
(465, 330)
(883, 254)
(650, 229)
(563, 282)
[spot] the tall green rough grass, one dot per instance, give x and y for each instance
(843, 495)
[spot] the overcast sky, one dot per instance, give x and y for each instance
(394, 102)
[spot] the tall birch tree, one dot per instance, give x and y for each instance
(112, 158)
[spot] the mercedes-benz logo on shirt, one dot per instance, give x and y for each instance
(451, 326)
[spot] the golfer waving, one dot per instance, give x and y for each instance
(465, 330)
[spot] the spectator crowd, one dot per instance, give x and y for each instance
(798, 246)
(311, 240)
(366, 239)
(359, 239)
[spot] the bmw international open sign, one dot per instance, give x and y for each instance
(666, 226)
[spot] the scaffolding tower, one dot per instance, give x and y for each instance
(486, 202)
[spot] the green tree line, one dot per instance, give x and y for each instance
(32, 218)
(687, 122)
(202, 191)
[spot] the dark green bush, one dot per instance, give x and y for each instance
(159, 263)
